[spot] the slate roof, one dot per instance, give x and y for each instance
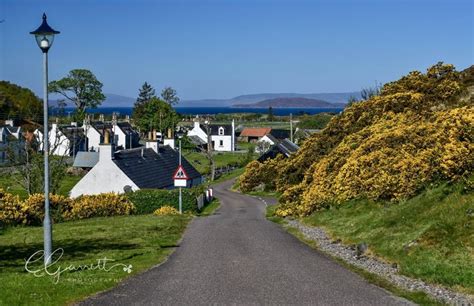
(102, 126)
(196, 140)
(288, 147)
(152, 170)
(273, 139)
(280, 134)
(285, 147)
(126, 127)
(215, 129)
(255, 132)
(73, 133)
(86, 159)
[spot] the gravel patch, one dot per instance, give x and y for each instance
(354, 256)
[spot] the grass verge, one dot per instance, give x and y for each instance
(210, 208)
(430, 236)
(141, 241)
(418, 297)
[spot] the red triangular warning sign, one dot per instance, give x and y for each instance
(180, 174)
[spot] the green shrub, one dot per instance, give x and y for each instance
(146, 201)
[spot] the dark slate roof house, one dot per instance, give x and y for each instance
(280, 134)
(149, 169)
(284, 147)
(140, 168)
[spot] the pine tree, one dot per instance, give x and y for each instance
(146, 93)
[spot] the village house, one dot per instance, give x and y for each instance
(253, 134)
(64, 140)
(150, 167)
(222, 136)
(123, 134)
(284, 147)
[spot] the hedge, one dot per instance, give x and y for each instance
(146, 201)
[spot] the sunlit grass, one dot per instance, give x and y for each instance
(141, 241)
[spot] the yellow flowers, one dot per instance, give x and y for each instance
(31, 210)
(388, 147)
(101, 205)
(166, 211)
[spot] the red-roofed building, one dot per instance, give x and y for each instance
(253, 134)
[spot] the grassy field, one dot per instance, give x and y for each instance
(11, 185)
(199, 160)
(430, 236)
(139, 241)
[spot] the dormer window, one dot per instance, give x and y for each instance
(221, 131)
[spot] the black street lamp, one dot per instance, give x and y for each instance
(44, 35)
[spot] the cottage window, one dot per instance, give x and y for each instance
(221, 143)
(221, 131)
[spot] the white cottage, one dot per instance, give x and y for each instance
(63, 140)
(222, 136)
(139, 168)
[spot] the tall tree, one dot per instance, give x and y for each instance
(19, 103)
(156, 114)
(170, 96)
(82, 88)
(145, 93)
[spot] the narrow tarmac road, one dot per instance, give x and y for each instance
(236, 256)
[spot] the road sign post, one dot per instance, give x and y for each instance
(180, 180)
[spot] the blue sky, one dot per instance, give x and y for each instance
(220, 49)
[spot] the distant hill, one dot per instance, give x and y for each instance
(113, 100)
(291, 102)
(340, 97)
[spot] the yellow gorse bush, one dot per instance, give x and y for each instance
(388, 147)
(11, 209)
(102, 205)
(166, 211)
(31, 211)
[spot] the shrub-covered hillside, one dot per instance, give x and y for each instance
(419, 129)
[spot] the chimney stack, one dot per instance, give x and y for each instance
(101, 117)
(106, 150)
(152, 143)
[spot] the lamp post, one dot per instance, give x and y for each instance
(180, 135)
(44, 35)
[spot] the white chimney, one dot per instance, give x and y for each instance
(106, 150)
(73, 123)
(153, 144)
(9, 122)
(196, 124)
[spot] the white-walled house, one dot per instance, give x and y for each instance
(63, 140)
(222, 136)
(139, 168)
(122, 133)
